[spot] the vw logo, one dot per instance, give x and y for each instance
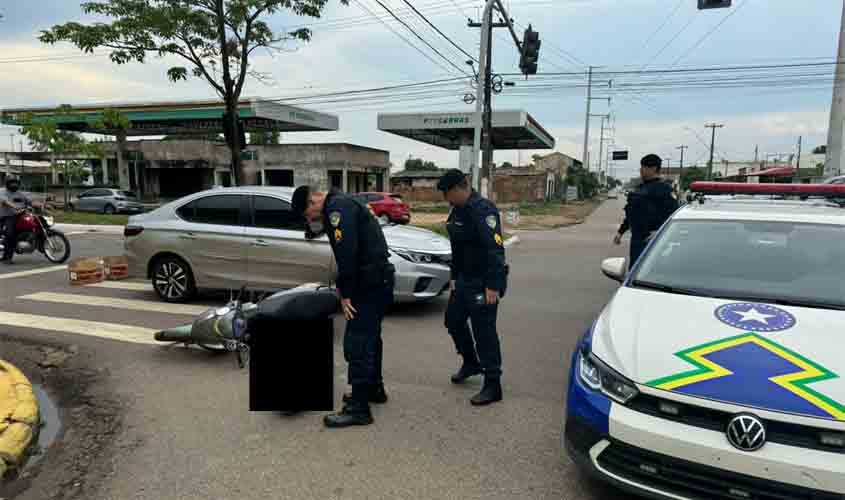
(746, 432)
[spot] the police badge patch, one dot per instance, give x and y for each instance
(334, 218)
(338, 235)
(491, 221)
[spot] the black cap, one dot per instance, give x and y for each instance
(450, 179)
(299, 200)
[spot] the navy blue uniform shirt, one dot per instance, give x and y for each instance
(648, 208)
(478, 251)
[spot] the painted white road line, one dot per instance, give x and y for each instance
(111, 331)
(31, 272)
(133, 305)
(138, 286)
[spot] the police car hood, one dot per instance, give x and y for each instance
(778, 358)
(415, 239)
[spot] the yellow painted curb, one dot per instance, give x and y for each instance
(19, 416)
(14, 442)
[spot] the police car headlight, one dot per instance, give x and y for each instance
(600, 377)
(415, 257)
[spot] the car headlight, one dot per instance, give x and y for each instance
(416, 257)
(600, 377)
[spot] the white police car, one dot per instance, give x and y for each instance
(717, 370)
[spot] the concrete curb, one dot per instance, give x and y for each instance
(513, 240)
(19, 416)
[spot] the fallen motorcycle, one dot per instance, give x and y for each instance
(36, 232)
(233, 327)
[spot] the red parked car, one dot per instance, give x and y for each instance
(387, 207)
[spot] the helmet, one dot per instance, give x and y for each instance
(12, 179)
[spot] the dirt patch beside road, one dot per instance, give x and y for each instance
(545, 216)
(91, 419)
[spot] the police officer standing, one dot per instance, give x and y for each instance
(648, 207)
(478, 281)
(365, 281)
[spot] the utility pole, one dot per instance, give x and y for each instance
(833, 158)
(712, 148)
(681, 171)
(795, 180)
(590, 99)
(483, 98)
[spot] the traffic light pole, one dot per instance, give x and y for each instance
(833, 157)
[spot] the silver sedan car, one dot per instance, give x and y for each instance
(228, 238)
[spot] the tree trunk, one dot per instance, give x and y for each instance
(235, 146)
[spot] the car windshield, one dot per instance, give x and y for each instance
(778, 262)
(128, 194)
(397, 197)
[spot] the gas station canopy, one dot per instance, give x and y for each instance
(511, 129)
(187, 117)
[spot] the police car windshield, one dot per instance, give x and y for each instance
(780, 262)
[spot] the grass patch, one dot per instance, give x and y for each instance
(89, 219)
(440, 229)
(441, 208)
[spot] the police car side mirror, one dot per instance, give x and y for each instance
(614, 268)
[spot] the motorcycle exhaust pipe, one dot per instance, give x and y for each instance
(178, 334)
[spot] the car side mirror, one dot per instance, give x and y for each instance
(614, 268)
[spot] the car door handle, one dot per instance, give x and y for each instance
(189, 236)
(260, 243)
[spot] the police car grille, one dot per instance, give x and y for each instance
(694, 481)
(801, 436)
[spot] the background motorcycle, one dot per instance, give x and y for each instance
(36, 232)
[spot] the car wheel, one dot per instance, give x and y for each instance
(109, 210)
(173, 280)
(384, 218)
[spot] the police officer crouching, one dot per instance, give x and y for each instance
(478, 281)
(365, 280)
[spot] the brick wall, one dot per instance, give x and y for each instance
(416, 189)
(516, 188)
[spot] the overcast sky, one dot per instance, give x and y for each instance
(360, 52)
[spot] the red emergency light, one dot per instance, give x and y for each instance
(822, 190)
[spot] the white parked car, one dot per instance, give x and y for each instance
(716, 371)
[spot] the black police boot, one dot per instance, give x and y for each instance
(490, 393)
(377, 395)
(353, 413)
(468, 369)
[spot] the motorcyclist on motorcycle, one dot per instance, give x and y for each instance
(12, 200)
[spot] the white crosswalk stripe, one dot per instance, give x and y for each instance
(111, 331)
(136, 286)
(32, 272)
(111, 302)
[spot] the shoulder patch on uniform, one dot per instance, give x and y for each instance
(334, 218)
(338, 235)
(491, 221)
(499, 239)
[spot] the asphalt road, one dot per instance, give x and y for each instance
(189, 410)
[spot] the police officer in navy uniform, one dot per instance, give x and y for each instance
(648, 207)
(365, 282)
(478, 281)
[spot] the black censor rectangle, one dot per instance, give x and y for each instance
(292, 367)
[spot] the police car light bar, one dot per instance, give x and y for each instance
(818, 190)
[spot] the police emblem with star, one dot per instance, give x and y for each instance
(334, 218)
(491, 221)
(755, 317)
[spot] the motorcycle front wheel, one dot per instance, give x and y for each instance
(57, 248)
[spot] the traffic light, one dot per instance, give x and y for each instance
(713, 4)
(227, 131)
(530, 52)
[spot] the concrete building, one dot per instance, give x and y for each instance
(414, 185)
(515, 185)
(172, 169)
(558, 164)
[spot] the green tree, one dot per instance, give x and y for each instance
(214, 37)
(820, 150)
(587, 182)
(691, 175)
(419, 165)
(507, 164)
(44, 135)
(265, 138)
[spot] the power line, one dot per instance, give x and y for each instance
(710, 32)
(385, 7)
(440, 32)
(436, 63)
(662, 25)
